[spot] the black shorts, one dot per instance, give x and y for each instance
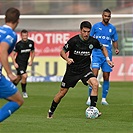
(70, 79)
(21, 69)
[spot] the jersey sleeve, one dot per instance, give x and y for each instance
(33, 47)
(16, 47)
(115, 36)
(68, 45)
(9, 39)
(97, 44)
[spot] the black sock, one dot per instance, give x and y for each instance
(53, 106)
(93, 100)
(23, 86)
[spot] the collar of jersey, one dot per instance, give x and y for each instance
(104, 24)
(7, 26)
(24, 41)
(82, 38)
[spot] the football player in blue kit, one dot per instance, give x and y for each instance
(8, 40)
(107, 35)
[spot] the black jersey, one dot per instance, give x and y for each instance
(23, 51)
(80, 51)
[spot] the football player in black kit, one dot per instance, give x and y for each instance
(23, 50)
(78, 65)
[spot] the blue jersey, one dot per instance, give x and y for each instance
(10, 37)
(106, 35)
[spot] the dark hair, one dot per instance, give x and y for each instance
(106, 10)
(12, 15)
(24, 31)
(86, 24)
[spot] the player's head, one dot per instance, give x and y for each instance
(12, 16)
(106, 16)
(24, 35)
(85, 28)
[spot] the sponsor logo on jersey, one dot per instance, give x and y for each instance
(103, 37)
(82, 53)
(25, 51)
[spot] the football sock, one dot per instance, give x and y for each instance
(8, 109)
(53, 106)
(105, 89)
(23, 86)
(100, 75)
(93, 100)
(89, 90)
(103, 99)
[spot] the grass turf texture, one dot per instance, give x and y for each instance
(70, 114)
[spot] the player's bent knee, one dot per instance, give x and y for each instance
(24, 76)
(17, 98)
(21, 101)
(95, 84)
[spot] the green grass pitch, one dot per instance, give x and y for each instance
(70, 114)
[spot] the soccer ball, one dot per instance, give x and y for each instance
(91, 112)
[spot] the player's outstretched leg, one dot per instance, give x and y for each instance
(56, 101)
(10, 107)
(52, 109)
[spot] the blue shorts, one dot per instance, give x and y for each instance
(100, 62)
(7, 88)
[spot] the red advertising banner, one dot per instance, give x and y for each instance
(123, 70)
(49, 43)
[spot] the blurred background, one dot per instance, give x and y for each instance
(63, 7)
(52, 22)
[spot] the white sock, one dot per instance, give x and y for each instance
(103, 99)
(88, 99)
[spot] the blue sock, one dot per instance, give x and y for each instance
(8, 109)
(105, 89)
(89, 91)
